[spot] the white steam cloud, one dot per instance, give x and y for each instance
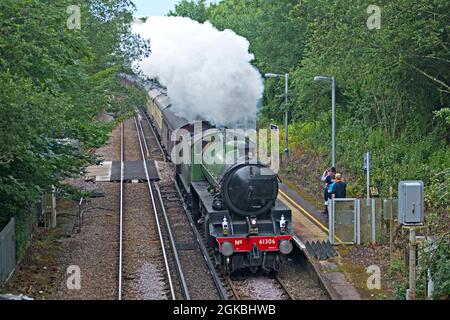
(207, 72)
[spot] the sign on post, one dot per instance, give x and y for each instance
(367, 170)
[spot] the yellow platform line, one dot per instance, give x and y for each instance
(317, 222)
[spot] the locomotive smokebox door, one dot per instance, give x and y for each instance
(410, 202)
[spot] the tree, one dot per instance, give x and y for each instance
(55, 82)
(196, 10)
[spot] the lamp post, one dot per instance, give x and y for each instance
(333, 115)
(286, 86)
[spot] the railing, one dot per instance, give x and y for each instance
(356, 221)
(7, 251)
(16, 237)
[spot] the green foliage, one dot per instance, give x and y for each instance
(384, 77)
(25, 222)
(444, 115)
(55, 83)
(392, 83)
(436, 259)
(398, 267)
(393, 90)
(196, 10)
(400, 292)
(394, 158)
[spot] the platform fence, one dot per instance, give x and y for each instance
(16, 236)
(360, 221)
(7, 251)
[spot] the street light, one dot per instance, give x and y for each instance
(286, 83)
(333, 116)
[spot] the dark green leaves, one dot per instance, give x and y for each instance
(54, 83)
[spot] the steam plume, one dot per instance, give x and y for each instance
(207, 72)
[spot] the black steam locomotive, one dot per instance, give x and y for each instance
(236, 201)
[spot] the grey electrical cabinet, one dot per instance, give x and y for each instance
(410, 202)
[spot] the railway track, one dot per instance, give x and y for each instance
(174, 256)
(141, 227)
(224, 285)
(215, 276)
(226, 288)
(160, 210)
(285, 289)
(240, 291)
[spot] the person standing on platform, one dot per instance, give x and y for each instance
(328, 178)
(338, 188)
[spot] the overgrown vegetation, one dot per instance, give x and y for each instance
(55, 82)
(393, 88)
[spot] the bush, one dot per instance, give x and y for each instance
(393, 159)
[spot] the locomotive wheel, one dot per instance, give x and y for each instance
(217, 259)
(276, 264)
(227, 266)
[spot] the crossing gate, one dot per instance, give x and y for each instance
(7, 251)
(344, 221)
(356, 221)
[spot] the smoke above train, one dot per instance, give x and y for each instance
(208, 73)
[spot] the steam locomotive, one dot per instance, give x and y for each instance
(235, 201)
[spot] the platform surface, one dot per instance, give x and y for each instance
(310, 225)
(307, 223)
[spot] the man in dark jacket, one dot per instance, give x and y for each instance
(339, 188)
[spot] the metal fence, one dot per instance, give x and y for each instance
(7, 251)
(16, 237)
(356, 221)
(343, 221)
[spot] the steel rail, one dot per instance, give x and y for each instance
(233, 288)
(156, 137)
(212, 270)
(119, 297)
(284, 287)
(174, 248)
(161, 240)
(220, 288)
(169, 229)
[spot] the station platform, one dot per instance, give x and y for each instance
(310, 225)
